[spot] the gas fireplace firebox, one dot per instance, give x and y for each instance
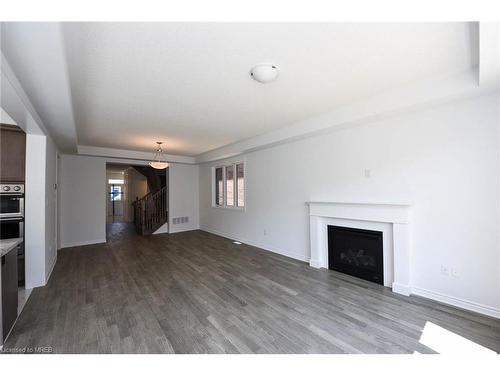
(356, 252)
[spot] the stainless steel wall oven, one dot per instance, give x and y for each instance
(11, 200)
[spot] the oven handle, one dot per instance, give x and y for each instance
(16, 219)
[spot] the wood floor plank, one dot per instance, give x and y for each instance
(195, 292)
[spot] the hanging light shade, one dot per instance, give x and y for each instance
(158, 161)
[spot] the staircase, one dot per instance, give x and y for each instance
(155, 182)
(150, 212)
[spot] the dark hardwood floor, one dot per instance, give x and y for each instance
(194, 292)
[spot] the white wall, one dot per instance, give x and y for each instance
(183, 196)
(35, 200)
(50, 206)
(445, 161)
(83, 197)
(40, 209)
(83, 200)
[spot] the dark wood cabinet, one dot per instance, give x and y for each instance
(9, 291)
(12, 154)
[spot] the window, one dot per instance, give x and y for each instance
(219, 187)
(229, 186)
(240, 184)
(116, 193)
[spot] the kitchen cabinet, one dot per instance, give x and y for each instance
(12, 154)
(9, 291)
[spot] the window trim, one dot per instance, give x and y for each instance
(214, 186)
(224, 205)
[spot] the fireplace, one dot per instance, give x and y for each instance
(392, 219)
(356, 252)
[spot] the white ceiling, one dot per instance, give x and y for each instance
(188, 83)
(130, 84)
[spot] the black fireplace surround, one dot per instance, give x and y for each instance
(356, 252)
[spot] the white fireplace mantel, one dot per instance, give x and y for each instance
(390, 218)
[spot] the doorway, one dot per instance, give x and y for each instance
(115, 187)
(125, 185)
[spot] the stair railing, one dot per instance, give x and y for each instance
(150, 212)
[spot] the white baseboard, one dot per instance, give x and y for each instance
(457, 302)
(401, 289)
(259, 245)
(315, 263)
(49, 273)
(83, 243)
(178, 228)
(162, 229)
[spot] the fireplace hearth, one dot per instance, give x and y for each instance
(356, 252)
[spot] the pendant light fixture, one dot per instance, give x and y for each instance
(158, 161)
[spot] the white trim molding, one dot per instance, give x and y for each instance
(130, 154)
(51, 268)
(258, 245)
(163, 229)
(457, 302)
(82, 243)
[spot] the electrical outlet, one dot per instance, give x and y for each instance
(455, 272)
(445, 270)
(368, 173)
(265, 232)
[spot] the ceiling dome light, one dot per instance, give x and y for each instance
(158, 161)
(264, 73)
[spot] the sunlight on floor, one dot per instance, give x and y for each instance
(446, 342)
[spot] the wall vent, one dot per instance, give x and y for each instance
(180, 220)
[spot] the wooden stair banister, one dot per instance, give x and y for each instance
(150, 211)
